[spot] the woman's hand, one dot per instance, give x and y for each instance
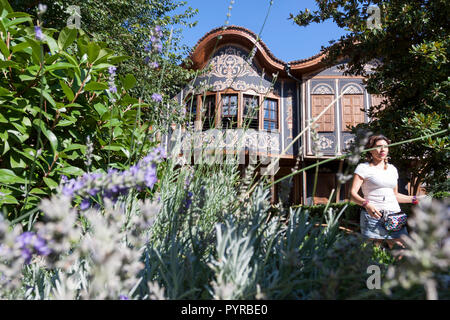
(373, 212)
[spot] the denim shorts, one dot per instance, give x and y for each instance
(374, 229)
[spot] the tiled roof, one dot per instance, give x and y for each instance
(255, 36)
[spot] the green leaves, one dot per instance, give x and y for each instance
(50, 183)
(4, 5)
(66, 37)
(129, 81)
(48, 134)
(59, 90)
(95, 86)
(4, 49)
(67, 91)
(71, 171)
(9, 177)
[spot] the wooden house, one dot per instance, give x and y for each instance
(243, 82)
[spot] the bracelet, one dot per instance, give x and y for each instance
(365, 203)
(414, 200)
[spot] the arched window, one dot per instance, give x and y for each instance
(352, 106)
(321, 96)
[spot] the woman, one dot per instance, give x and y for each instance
(378, 180)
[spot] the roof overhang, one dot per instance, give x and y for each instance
(210, 42)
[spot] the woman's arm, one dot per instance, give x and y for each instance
(402, 198)
(355, 197)
(356, 185)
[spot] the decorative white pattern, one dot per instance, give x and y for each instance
(239, 86)
(237, 139)
(231, 63)
(322, 88)
(325, 143)
(352, 88)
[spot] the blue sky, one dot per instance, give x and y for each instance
(286, 40)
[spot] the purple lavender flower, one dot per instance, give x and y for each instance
(123, 297)
(115, 183)
(85, 204)
(25, 238)
(30, 243)
(112, 70)
(134, 170)
(112, 85)
(39, 35)
(156, 97)
(26, 255)
(112, 88)
(67, 191)
(64, 179)
(161, 152)
(188, 200)
(150, 177)
(148, 158)
(41, 247)
(112, 171)
(154, 65)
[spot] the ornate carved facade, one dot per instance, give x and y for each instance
(243, 85)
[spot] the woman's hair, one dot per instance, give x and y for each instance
(371, 143)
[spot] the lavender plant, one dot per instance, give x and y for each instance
(426, 259)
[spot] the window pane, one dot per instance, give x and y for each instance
(270, 114)
(224, 104)
(233, 110)
(229, 104)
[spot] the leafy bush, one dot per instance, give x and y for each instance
(56, 95)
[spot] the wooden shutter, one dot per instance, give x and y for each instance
(351, 110)
(319, 103)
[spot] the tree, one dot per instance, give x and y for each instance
(412, 44)
(63, 112)
(127, 28)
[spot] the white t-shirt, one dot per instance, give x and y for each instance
(378, 185)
